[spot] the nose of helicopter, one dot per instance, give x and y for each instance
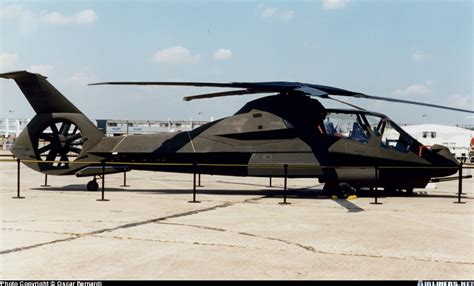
(445, 156)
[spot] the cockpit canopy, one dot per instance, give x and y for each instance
(365, 127)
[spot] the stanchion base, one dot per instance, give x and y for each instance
(18, 197)
(102, 200)
(283, 203)
(376, 203)
(459, 202)
(194, 202)
(45, 186)
(124, 185)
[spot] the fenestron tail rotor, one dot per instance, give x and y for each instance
(61, 141)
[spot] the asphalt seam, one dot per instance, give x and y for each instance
(64, 220)
(299, 245)
(186, 242)
(224, 205)
(314, 250)
(124, 226)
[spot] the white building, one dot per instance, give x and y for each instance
(113, 127)
(457, 139)
(12, 126)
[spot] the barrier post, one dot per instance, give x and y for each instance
(103, 183)
(375, 202)
(270, 182)
(45, 181)
(18, 180)
(460, 185)
(285, 172)
(125, 179)
(199, 180)
(194, 184)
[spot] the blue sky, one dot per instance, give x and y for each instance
(413, 50)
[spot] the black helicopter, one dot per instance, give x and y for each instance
(340, 147)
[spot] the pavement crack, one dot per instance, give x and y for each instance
(196, 226)
(40, 231)
(17, 249)
(314, 250)
(123, 226)
(183, 242)
(64, 220)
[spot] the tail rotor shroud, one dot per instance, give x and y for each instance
(60, 141)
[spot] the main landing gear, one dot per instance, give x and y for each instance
(339, 190)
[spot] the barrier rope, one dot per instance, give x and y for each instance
(257, 165)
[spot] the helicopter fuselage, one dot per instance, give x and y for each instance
(334, 145)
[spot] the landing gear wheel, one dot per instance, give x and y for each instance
(340, 190)
(346, 190)
(92, 186)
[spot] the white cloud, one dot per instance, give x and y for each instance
(176, 55)
(41, 69)
(83, 78)
(460, 101)
(86, 17)
(24, 20)
(418, 56)
(11, 11)
(415, 89)
(277, 13)
(334, 4)
(83, 17)
(28, 21)
(223, 54)
(8, 60)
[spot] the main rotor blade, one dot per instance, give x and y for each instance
(411, 102)
(281, 87)
(168, 83)
(256, 87)
(217, 94)
(345, 102)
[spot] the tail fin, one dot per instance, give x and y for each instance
(43, 97)
(58, 132)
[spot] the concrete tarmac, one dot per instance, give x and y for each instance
(238, 230)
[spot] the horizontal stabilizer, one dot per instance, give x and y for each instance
(97, 170)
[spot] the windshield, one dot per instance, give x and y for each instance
(347, 125)
(392, 136)
(362, 127)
